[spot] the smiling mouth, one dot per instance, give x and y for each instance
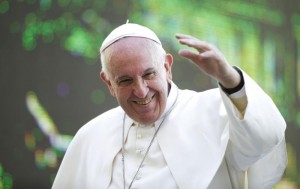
(145, 101)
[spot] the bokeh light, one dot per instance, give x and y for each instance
(6, 180)
(98, 96)
(4, 7)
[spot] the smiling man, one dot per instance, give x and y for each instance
(139, 78)
(164, 137)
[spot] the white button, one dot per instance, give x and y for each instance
(139, 151)
(139, 136)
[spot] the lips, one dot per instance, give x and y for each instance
(144, 101)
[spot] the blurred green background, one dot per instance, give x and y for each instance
(49, 68)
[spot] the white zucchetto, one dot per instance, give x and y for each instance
(128, 30)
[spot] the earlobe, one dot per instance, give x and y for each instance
(103, 76)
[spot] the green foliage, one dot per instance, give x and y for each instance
(80, 30)
(6, 181)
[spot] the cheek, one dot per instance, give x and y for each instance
(165, 75)
(112, 90)
(161, 86)
(122, 94)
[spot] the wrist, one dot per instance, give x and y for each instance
(236, 87)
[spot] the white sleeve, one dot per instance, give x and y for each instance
(258, 139)
(68, 175)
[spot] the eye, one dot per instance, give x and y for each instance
(150, 75)
(124, 82)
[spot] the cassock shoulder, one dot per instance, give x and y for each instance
(109, 119)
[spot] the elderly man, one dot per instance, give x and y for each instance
(164, 137)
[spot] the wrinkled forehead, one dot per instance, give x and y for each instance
(134, 51)
(131, 57)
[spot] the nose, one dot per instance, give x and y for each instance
(140, 88)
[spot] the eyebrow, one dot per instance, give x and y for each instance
(122, 78)
(149, 70)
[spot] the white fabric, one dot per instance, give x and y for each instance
(128, 30)
(203, 142)
(238, 94)
(153, 174)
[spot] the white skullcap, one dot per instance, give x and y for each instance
(129, 30)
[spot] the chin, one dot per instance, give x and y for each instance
(147, 121)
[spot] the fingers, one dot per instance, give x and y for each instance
(209, 58)
(189, 54)
(196, 57)
(183, 36)
(193, 42)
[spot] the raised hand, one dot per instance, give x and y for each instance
(210, 60)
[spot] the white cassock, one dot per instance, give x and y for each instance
(202, 142)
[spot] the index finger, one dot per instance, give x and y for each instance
(192, 41)
(183, 36)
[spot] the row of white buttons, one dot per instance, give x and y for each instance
(140, 150)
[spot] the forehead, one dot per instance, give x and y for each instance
(132, 54)
(136, 44)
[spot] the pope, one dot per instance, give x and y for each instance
(161, 136)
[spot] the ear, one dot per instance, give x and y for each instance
(168, 66)
(107, 82)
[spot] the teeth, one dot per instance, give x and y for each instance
(143, 102)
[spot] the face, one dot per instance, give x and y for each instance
(139, 78)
